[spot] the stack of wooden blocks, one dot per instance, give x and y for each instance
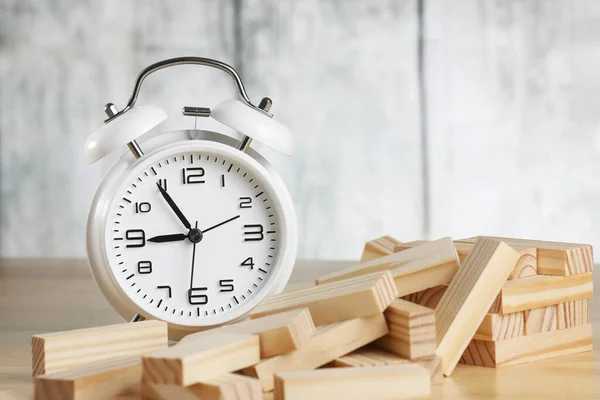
(389, 327)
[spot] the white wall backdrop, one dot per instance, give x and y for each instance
(415, 118)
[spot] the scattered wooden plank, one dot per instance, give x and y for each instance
(529, 348)
(190, 361)
(555, 258)
(279, 333)
(337, 301)
(330, 342)
(428, 297)
(412, 330)
(541, 291)
(408, 381)
(499, 327)
(370, 356)
(52, 352)
(221, 387)
(525, 266)
(538, 320)
(469, 296)
(98, 380)
(572, 314)
(379, 247)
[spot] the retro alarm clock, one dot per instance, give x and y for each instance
(190, 227)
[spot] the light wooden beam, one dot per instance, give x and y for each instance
(190, 361)
(279, 333)
(412, 330)
(98, 380)
(409, 381)
(428, 297)
(330, 342)
(379, 247)
(499, 327)
(572, 314)
(538, 320)
(337, 301)
(468, 297)
(529, 348)
(52, 352)
(221, 387)
(541, 291)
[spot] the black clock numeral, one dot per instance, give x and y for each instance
(245, 202)
(226, 285)
(144, 267)
(162, 183)
(192, 175)
(196, 298)
(136, 236)
(166, 287)
(142, 208)
(248, 262)
(253, 233)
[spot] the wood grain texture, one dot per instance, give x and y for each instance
(330, 342)
(370, 356)
(52, 352)
(221, 387)
(382, 246)
(572, 314)
(99, 380)
(192, 360)
(336, 301)
(408, 381)
(279, 333)
(468, 297)
(499, 327)
(529, 348)
(412, 330)
(428, 297)
(542, 290)
(538, 320)
(291, 50)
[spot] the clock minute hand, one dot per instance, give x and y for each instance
(174, 207)
(176, 237)
(219, 224)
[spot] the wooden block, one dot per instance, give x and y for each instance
(499, 327)
(370, 356)
(379, 247)
(412, 330)
(99, 380)
(538, 320)
(52, 352)
(556, 258)
(541, 291)
(409, 381)
(572, 314)
(337, 301)
(468, 297)
(428, 297)
(529, 348)
(279, 333)
(525, 266)
(222, 387)
(190, 361)
(330, 342)
(419, 268)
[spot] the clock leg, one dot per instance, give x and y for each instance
(137, 318)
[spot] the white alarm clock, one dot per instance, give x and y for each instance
(190, 227)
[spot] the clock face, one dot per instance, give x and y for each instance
(193, 237)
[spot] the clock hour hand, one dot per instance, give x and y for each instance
(219, 224)
(176, 237)
(174, 207)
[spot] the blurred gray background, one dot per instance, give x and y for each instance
(414, 118)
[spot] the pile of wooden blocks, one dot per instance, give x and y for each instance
(389, 327)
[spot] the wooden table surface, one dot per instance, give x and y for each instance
(39, 296)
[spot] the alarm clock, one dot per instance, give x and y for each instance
(191, 227)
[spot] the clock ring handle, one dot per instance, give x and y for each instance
(171, 62)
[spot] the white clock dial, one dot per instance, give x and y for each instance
(212, 272)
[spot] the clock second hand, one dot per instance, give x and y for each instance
(193, 262)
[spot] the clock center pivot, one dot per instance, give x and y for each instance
(195, 235)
